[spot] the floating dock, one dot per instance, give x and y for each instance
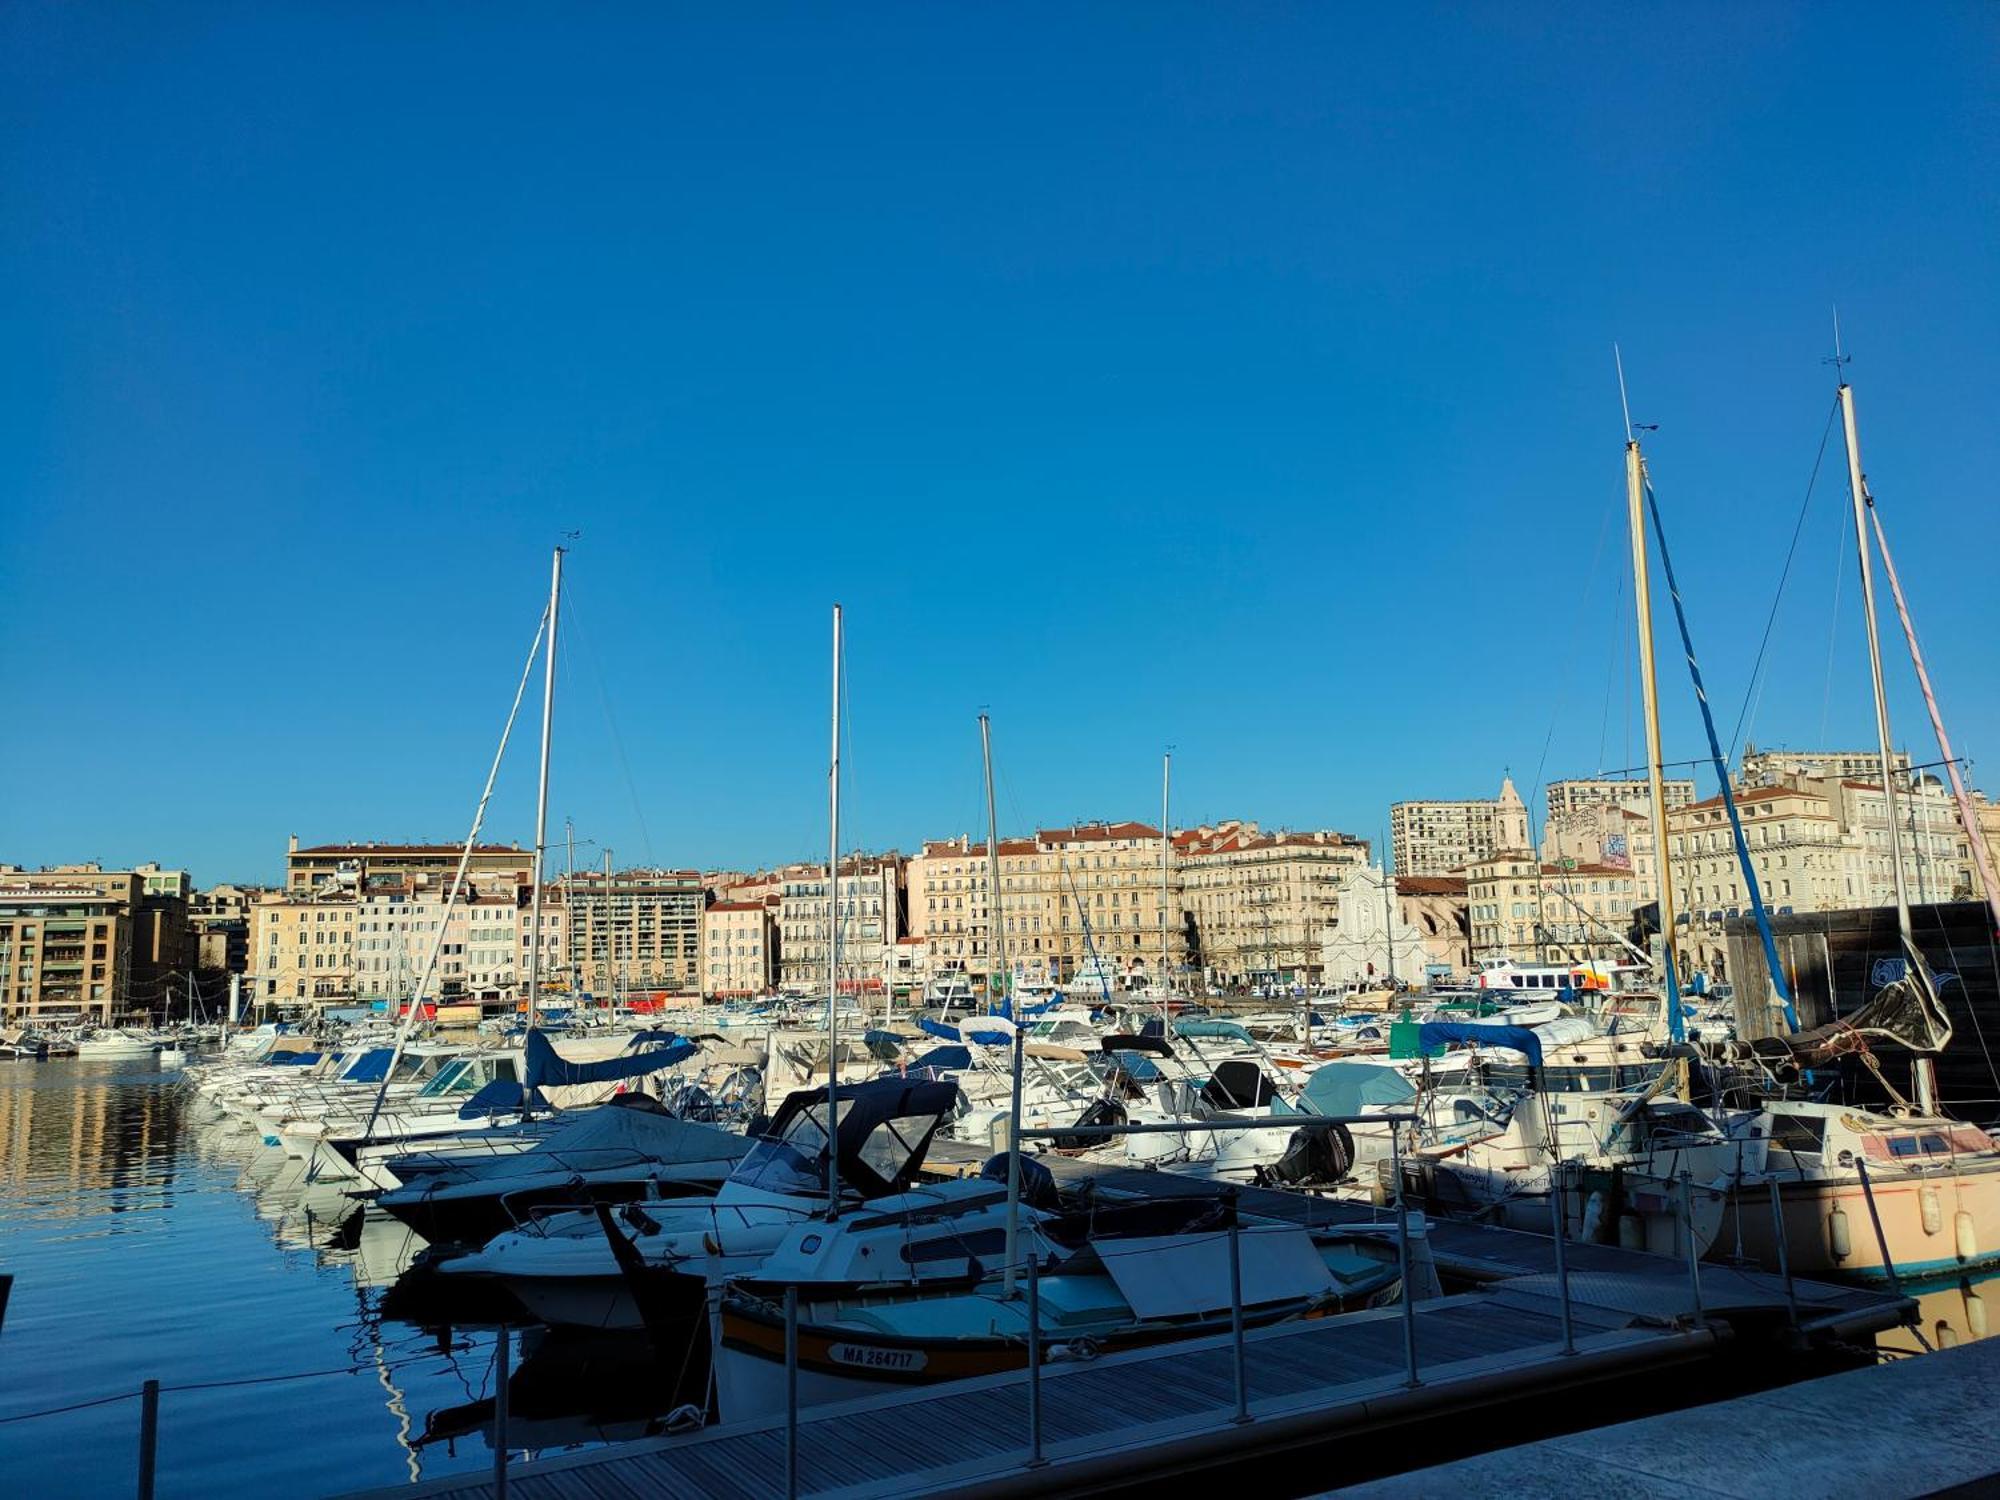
(1123, 1419)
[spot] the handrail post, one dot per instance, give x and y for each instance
(791, 1393)
(1035, 1459)
(1784, 1249)
(149, 1435)
(1403, 1259)
(1875, 1218)
(1236, 1312)
(502, 1358)
(1694, 1250)
(1558, 1215)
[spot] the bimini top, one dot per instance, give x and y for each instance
(1435, 1033)
(886, 1126)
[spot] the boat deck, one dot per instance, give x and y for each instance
(1118, 1419)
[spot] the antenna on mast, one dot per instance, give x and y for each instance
(1623, 401)
(1840, 356)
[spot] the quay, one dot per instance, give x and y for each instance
(1939, 1406)
(1495, 1362)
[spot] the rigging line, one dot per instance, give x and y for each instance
(1660, 835)
(610, 723)
(1754, 692)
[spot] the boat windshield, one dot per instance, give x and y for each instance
(775, 1166)
(453, 1078)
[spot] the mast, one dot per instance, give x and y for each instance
(1642, 594)
(997, 946)
(833, 946)
(1389, 920)
(1857, 485)
(1166, 840)
(542, 790)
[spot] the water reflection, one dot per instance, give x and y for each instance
(1950, 1311)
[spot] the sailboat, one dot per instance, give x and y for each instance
(1864, 1193)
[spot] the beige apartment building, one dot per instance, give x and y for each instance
(1768, 767)
(68, 946)
(870, 900)
(739, 949)
(219, 923)
(1440, 837)
(633, 930)
(477, 943)
(332, 869)
(1260, 904)
(1522, 908)
(1581, 793)
(302, 948)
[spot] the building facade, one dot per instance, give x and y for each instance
(68, 946)
(1372, 940)
(1524, 909)
(870, 913)
(739, 942)
(1440, 837)
(633, 930)
(1260, 905)
(302, 949)
(350, 869)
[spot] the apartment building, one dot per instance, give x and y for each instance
(739, 948)
(330, 869)
(869, 897)
(633, 930)
(302, 948)
(69, 946)
(1440, 837)
(1522, 908)
(1259, 905)
(1768, 767)
(468, 951)
(219, 923)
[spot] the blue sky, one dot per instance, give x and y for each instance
(1236, 378)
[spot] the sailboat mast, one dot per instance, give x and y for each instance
(542, 791)
(1857, 485)
(833, 946)
(997, 952)
(1642, 594)
(1925, 1075)
(1166, 841)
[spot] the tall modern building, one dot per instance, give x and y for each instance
(633, 930)
(1442, 837)
(331, 869)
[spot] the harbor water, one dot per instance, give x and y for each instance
(148, 1244)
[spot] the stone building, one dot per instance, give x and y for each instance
(739, 943)
(79, 943)
(1260, 904)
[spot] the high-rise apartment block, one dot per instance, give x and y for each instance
(1441, 837)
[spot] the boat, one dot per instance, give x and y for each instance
(104, 1045)
(1110, 1294)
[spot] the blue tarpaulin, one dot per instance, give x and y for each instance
(501, 1096)
(1435, 1033)
(944, 1060)
(962, 1034)
(371, 1067)
(548, 1068)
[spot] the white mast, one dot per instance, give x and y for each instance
(1642, 596)
(542, 791)
(1166, 841)
(1857, 483)
(997, 951)
(833, 945)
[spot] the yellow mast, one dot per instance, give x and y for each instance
(1642, 594)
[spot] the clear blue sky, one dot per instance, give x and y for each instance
(1230, 377)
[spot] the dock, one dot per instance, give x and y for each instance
(1940, 1403)
(1495, 1343)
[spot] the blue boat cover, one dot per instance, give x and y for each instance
(293, 1059)
(1342, 1088)
(938, 1029)
(962, 1034)
(1137, 1066)
(371, 1067)
(945, 1060)
(498, 1098)
(1433, 1033)
(548, 1068)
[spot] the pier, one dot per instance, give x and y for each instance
(1522, 1324)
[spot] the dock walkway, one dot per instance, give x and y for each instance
(1163, 1410)
(1796, 1440)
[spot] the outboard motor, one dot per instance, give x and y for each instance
(1097, 1112)
(1038, 1183)
(1318, 1154)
